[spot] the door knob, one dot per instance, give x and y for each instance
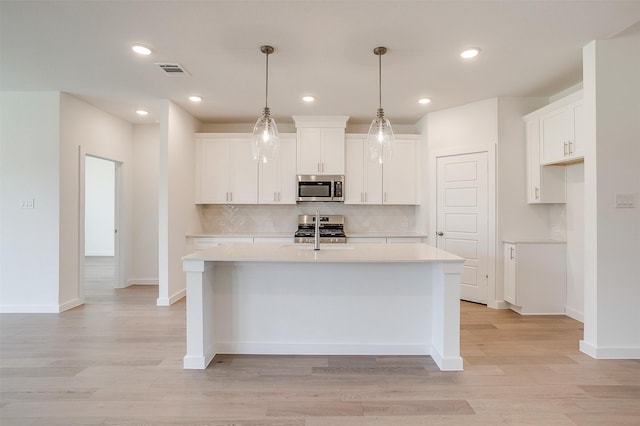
(440, 233)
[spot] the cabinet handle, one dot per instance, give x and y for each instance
(565, 148)
(570, 147)
(439, 233)
(231, 196)
(385, 197)
(365, 197)
(511, 253)
(537, 193)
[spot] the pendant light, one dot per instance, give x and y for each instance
(380, 137)
(265, 140)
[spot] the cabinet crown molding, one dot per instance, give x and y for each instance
(320, 121)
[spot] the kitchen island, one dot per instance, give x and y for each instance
(345, 299)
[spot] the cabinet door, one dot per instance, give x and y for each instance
(277, 179)
(244, 173)
(577, 144)
(212, 171)
(555, 133)
(545, 184)
(309, 149)
(510, 274)
(400, 174)
(354, 173)
(332, 157)
(363, 178)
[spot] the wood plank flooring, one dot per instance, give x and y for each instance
(118, 361)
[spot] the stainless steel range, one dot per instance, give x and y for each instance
(331, 229)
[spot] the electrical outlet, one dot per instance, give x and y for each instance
(27, 204)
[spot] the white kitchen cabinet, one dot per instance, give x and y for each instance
(320, 145)
(545, 184)
(226, 172)
(562, 131)
(393, 182)
(277, 178)
(363, 178)
(535, 277)
(400, 174)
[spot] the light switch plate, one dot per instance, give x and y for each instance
(625, 201)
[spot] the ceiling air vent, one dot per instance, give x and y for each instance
(173, 69)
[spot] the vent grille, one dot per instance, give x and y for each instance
(173, 70)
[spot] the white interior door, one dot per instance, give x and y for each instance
(462, 218)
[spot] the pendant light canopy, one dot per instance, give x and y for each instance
(265, 140)
(380, 138)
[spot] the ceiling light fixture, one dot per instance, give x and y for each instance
(142, 112)
(308, 98)
(470, 53)
(380, 137)
(141, 50)
(195, 98)
(424, 101)
(265, 140)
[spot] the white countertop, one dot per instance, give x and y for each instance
(290, 234)
(331, 253)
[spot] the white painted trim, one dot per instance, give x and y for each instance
(142, 281)
(576, 315)
(70, 305)
(168, 301)
(323, 121)
(29, 309)
(609, 352)
(447, 364)
(100, 253)
(276, 348)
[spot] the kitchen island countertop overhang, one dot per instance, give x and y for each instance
(354, 299)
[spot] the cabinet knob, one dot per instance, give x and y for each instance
(439, 233)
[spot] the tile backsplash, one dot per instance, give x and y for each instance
(247, 219)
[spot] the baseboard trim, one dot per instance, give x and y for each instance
(29, 309)
(142, 281)
(318, 349)
(576, 315)
(70, 305)
(168, 301)
(609, 352)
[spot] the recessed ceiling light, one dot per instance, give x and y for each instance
(195, 98)
(141, 50)
(424, 101)
(308, 98)
(142, 112)
(470, 53)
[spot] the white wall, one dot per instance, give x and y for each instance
(144, 269)
(30, 169)
(612, 236)
(84, 129)
(177, 214)
(575, 241)
(99, 207)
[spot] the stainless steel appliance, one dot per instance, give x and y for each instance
(320, 188)
(331, 229)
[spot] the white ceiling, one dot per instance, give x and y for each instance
(323, 48)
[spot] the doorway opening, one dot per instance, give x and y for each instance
(101, 261)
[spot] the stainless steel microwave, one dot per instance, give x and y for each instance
(320, 188)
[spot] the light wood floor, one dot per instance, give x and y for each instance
(118, 361)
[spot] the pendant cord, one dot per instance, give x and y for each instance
(380, 80)
(266, 85)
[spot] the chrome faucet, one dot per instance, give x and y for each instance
(316, 235)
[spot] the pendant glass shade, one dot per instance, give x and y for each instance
(380, 138)
(265, 140)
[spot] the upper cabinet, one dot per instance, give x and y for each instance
(277, 179)
(363, 178)
(226, 172)
(562, 131)
(394, 182)
(545, 184)
(320, 144)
